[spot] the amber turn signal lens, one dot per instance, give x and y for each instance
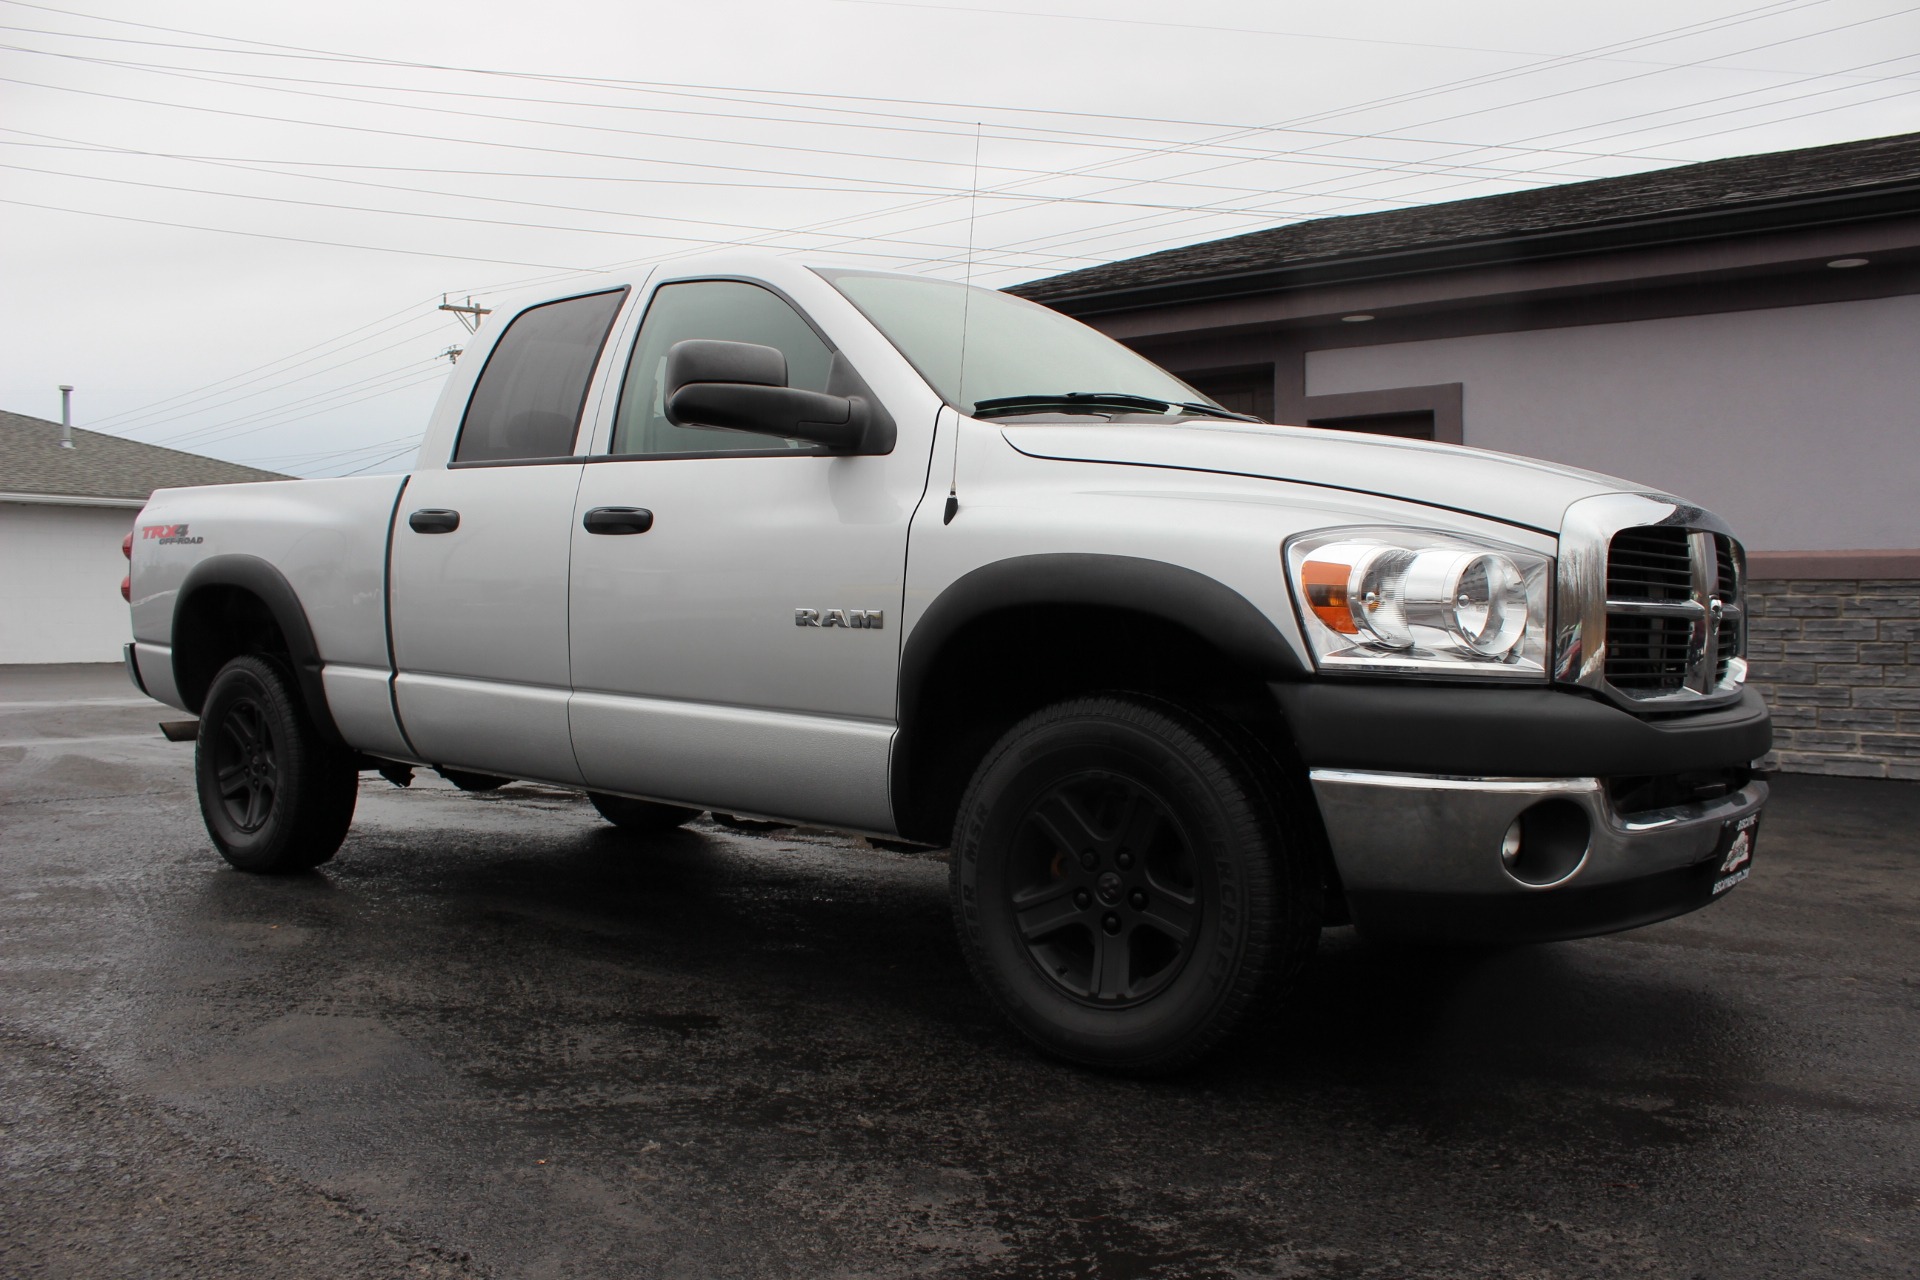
(1326, 586)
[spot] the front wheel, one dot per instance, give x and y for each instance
(275, 795)
(1126, 884)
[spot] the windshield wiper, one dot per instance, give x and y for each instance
(1215, 411)
(1098, 400)
(1069, 400)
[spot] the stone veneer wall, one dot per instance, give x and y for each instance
(1839, 663)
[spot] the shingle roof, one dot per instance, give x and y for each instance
(1771, 190)
(102, 466)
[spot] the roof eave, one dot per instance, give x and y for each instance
(1823, 210)
(74, 500)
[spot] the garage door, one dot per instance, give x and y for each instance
(60, 571)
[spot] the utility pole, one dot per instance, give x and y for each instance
(468, 315)
(66, 416)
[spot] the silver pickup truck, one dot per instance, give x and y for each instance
(930, 563)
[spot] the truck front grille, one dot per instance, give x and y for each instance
(1674, 613)
(1647, 652)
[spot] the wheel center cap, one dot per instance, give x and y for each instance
(1108, 887)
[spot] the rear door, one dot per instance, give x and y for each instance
(740, 653)
(479, 561)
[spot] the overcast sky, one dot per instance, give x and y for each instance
(229, 224)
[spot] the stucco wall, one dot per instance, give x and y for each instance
(1800, 425)
(60, 571)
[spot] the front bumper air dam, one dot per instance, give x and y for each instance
(1419, 856)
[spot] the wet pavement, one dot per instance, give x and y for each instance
(496, 1037)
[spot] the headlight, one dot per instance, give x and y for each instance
(1417, 601)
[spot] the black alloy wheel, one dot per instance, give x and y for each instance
(275, 795)
(246, 770)
(1105, 888)
(1129, 881)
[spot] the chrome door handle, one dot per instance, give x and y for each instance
(618, 520)
(434, 520)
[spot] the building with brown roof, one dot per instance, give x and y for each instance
(64, 510)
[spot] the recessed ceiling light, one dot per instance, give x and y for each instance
(1841, 264)
(1361, 317)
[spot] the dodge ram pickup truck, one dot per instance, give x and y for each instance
(902, 557)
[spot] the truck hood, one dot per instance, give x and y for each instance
(1518, 491)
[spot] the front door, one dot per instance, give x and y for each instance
(478, 584)
(740, 653)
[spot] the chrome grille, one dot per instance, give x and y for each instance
(1651, 610)
(1733, 625)
(1646, 651)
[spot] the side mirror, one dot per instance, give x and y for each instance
(742, 386)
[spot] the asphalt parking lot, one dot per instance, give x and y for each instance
(495, 1037)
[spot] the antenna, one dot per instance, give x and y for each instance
(966, 308)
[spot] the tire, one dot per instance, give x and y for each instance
(276, 797)
(640, 815)
(1126, 885)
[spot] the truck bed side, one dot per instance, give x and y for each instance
(200, 557)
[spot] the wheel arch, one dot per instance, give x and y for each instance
(234, 604)
(1008, 637)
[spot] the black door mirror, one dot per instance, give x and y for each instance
(742, 386)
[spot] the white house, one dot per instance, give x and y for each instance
(63, 513)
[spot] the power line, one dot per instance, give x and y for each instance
(177, 413)
(705, 241)
(328, 408)
(211, 387)
(971, 111)
(263, 235)
(1061, 137)
(1778, 8)
(210, 431)
(1510, 105)
(1420, 196)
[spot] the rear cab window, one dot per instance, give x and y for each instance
(526, 404)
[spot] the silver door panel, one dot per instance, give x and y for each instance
(489, 727)
(823, 769)
(480, 619)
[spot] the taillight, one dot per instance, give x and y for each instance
(126, 588)
(126, 583)
(126, 546)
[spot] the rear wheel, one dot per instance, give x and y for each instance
(1126, 885)
(640, 815)
(276, 796)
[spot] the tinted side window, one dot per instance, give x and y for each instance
(724, 309)
(527, 402)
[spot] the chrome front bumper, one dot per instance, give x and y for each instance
(1420, 854)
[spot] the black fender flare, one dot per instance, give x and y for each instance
(262, 580)
(1171, 593)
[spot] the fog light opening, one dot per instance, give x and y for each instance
(1510, 846)
(1546, 844)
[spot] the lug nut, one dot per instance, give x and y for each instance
(1138, 899)
(1088, 860)
(1125, 860)
(1111, 924)
(1082, 899)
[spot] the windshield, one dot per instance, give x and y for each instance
(1015, 350)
